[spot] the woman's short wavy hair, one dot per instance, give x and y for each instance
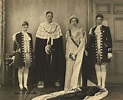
(74, 17)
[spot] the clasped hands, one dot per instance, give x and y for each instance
(72, 56)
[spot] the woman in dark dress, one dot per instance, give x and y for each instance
(23, 48)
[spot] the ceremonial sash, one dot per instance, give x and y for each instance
(73, 39)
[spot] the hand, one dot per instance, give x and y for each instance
(13, 57)
(110, 55)
(74, 56)
(48, 49)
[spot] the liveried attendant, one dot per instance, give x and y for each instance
(23, 48)
(101, 42)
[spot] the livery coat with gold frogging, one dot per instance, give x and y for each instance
(19, 46)
(105, 43)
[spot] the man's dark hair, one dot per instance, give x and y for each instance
(99, 15)
(25, 23)
(49, 12)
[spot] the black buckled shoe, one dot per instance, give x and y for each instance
(20, 91)
(26, 91)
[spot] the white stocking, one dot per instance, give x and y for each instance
(20, 77)
(25, 77)
(98, 74)
(103, 75)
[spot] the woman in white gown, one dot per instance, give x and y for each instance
(75, 48)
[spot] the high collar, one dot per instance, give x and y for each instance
(24, 32)
(99, 25)
(50, 22)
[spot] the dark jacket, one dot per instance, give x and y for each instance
(106, 43)
(19, 46)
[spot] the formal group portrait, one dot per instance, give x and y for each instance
(61, 49)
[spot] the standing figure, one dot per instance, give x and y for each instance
(101, 42)
(75, 48)
(49, 55)
(23, 47)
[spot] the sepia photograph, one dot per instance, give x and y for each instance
(61, 49)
